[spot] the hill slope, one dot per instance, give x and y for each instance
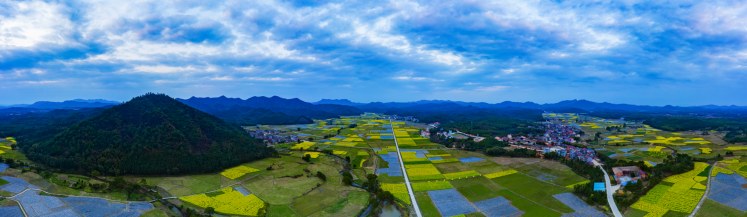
(151, 134)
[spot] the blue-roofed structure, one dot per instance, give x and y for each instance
(599, 186)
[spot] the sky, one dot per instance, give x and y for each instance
(639, 52)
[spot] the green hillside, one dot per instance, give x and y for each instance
(151, 134)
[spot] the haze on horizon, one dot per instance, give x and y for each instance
(637, 52)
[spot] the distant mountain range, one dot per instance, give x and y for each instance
(562, 106)
(268, 110)
(45, 106)
(277, 110)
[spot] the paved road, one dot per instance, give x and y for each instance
(705, 195)
(610, 191)
(404, 173)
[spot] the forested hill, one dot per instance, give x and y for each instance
(150, 134)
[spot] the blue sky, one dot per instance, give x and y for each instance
(641, 52)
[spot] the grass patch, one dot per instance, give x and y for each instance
(635, 213)
(534, 190)
(384, 178)
(427, 208)
(475, 214)
(713, 208)
(452, 167)
(317, 200)
(187, 185)
(348, 206)
(289, 180)
(431, 185)
(530, 208)
(155, 213)
(461, 175)
(280, 211)
(675, 214)
(477, 188)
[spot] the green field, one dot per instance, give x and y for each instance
(530, 189)
(712, 208)
(626, 135)
(290, 187)
(477, 189)
(534, 190)
(185, 185)
(426, 204)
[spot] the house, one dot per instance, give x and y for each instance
(628, 174)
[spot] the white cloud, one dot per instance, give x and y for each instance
(267, 79)
(492, 88)
(246, 69)
(166, 69)
(34, 23)
(408, 78)
(41, 82)
(222, 78)
(508, 71)
(379, 33)
(720, 17)
(587, 29)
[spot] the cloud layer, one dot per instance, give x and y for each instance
(641, 52)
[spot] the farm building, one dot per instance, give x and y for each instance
(625, 175)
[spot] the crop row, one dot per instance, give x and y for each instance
(398, 190)
(500, 174)
(239, 171)
(462, 174)
(431, 185)
(228, 201)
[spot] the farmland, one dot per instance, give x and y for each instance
(289, 187)
(494, 186)
(228, 201)
(728, 194)
(636, 141)
(676, 194)
(445, 182)
(40, 203)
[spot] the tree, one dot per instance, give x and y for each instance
(306, 158)
(118, 183)
(347, 179)
(321, 176)
(209, 210)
